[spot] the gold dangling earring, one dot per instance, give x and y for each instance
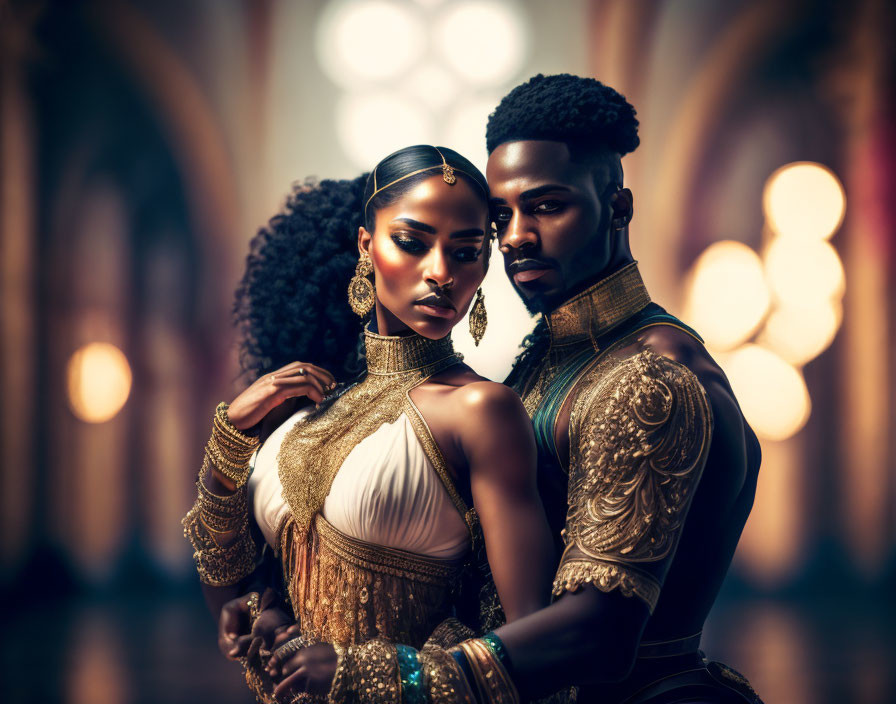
(478, 318)
(361, 293)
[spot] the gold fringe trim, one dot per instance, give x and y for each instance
(347, 591)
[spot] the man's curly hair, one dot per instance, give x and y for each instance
(292, 300)
(565, 108)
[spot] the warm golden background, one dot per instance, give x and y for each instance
(143, 143)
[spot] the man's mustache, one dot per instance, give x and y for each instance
(525, 264)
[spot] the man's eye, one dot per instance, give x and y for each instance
(548, 206)
(408, 244)
(502, 216)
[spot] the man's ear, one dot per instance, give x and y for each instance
(623, 204)
(364, 240)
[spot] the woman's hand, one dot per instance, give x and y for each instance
(234, 636)
(309, 670)
(295, 380)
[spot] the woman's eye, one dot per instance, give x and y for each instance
(408, 244)
(467, 254)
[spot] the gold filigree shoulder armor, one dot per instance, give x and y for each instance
(639, 436)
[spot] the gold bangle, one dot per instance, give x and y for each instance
(492, 681)
(447, 684)
(220, 565)
(229, 449)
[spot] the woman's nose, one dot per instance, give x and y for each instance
(438, 269)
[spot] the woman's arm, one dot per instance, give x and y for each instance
(217, 525)
(495, 435)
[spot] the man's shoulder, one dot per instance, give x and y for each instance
(637, 377)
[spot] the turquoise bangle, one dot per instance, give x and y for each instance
(496, 645)
(410, 673)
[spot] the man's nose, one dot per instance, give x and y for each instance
(518, 234)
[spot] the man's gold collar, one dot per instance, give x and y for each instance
(598, 308)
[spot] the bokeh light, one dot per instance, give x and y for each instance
(804, 200)
(485, 41)
(434, 85)
(804, 272)
(369, 40)
(798, 334)
(465, 129)
(99, 382)
(771, 393)
(727, 296)
(372, 125)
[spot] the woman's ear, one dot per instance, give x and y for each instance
(364, 239)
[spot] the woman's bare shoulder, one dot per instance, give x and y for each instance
(475, 393)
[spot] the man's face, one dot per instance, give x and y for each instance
(553, 217)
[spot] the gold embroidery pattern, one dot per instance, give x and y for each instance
(605, 576)
(639, 435)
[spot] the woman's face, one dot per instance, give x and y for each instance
(428, 258)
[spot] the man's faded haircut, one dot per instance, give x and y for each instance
(588, 116)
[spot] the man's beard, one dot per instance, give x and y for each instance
(537, 304)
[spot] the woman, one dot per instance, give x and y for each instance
(372, 496)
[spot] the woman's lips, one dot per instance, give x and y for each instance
(527, 275)
(437, 311)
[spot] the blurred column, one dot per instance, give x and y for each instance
(90, 300)
(170, 457)
(17, 333)
(867, 385)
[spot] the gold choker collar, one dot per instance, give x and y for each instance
(394, 354)
(599, 308)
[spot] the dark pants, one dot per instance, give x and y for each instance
(678, 679)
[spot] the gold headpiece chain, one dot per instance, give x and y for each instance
(448, 176)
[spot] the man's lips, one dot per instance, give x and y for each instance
(525, 270)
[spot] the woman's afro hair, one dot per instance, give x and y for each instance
(565, 108)
(292, 303)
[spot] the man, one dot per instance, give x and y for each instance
(646, 462)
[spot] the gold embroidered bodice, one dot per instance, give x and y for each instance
(342, 589)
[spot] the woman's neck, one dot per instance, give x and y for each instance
(384, 322)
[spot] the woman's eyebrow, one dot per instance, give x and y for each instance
(417, 225)
(468, 233)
